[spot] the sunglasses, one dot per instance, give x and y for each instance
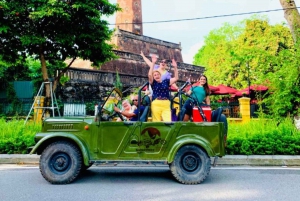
(164, 62)
(134, 100)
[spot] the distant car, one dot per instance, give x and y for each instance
(70, 145)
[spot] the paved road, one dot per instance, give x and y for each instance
(153, 184)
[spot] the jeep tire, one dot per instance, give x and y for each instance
(60, 162)
(191, 165)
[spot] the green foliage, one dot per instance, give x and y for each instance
(118, 83)
(15, 138)
(52, 31)
(64, 79)
(285, 98)
(263, 137)
(255, 50)
(90, 108)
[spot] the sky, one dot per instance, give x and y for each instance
(191, 33)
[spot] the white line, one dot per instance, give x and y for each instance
(256, 167)
(10, 166)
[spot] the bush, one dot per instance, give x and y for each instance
(263, 137)
(15, 137)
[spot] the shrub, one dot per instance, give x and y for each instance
(263, 137)
(15, 137)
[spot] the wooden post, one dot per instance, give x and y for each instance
(38, 112)
(245, 108)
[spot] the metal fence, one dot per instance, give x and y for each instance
(20, 107)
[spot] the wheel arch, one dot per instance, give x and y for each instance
(201, 143)
(50, 138)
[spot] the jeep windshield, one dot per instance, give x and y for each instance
(106, 110)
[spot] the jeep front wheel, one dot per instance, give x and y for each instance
(60, 162)
(191, 165)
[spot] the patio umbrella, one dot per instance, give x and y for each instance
(224, 90)
(252, 88)
(242, 92)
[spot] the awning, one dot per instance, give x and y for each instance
(252, 88)
(224, 90)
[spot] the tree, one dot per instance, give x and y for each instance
(292, 16)
(269, 52)
(53, 30)
(216, 51)
(229, 49)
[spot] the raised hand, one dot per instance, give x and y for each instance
(154, 58)
(174, 63)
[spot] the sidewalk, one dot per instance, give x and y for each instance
(253, 160)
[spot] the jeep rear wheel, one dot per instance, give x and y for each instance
(60, 162)
(191, 165)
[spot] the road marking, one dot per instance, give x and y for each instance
(12, 166)
(257, 167)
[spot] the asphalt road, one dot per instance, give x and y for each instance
(154, 184)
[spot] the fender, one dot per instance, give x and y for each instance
(188, 140)
(62, 135)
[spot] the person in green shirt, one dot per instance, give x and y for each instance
(199, 93)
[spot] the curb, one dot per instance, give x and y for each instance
(19, 159)
(260, 160)
(235, 160)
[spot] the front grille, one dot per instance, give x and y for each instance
(62, 126)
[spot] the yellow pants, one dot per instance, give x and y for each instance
(160, 110)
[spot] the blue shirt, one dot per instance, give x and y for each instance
(161, 89)
(136, 112)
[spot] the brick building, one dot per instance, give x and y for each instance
(130, 41)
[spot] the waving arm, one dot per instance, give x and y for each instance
(175, 78)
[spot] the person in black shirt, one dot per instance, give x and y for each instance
(132, 116)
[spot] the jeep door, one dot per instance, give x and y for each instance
(113, 138)
(154, 138)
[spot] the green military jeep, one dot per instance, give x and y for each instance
(70, 145)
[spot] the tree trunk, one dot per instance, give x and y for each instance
(45, 78)
(44, 71)
(292, 16)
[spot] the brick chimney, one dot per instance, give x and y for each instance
(130, 18)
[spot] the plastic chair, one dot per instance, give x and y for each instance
(144, 116)
(146, 102)
(226, 112)
(216, 114)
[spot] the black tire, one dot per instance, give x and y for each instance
(191, 165)
(61, 162)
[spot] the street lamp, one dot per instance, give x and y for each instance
(248, 68)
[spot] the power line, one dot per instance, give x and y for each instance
(209, 17)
